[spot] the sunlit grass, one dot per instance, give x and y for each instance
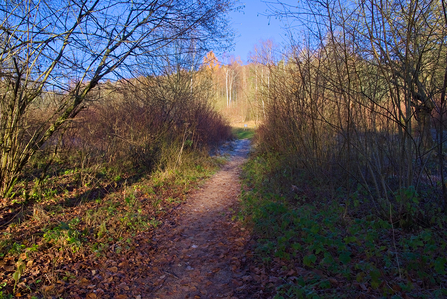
(243, 133)
(244, 130)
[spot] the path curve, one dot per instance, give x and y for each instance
(201, 255)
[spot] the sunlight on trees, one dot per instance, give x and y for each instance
(361, 99)
(237, 87)
(54, 53)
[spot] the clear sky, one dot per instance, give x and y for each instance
(251, 25)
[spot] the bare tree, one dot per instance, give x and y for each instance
(55, 52)
(368, 77)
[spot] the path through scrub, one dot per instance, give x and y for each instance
(199, 252)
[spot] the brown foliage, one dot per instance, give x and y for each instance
(133, 121)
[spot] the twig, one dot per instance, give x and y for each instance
(172, 274)
(159, 286)
(394, 243)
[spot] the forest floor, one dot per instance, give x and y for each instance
(199, 246)
(200, 250)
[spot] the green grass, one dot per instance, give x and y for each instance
(243, 133)
(323, 253)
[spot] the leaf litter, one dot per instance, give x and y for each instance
(200, 250)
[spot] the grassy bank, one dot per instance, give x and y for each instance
(311, 246)
(71, 224)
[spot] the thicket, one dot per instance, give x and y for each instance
(362, 112)
(129, 157)
(146, 122)
(349, 173)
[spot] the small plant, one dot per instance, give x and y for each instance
(4, 296)
(64, 235)
(16, 248)
(20, 267)
(102, 230)
(154, 223)
(130, 200)
(68, 276)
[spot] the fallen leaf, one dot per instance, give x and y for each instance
(84, 281)
(48, 288)
(123, 286)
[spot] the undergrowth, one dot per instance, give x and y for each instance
(319, 248)
(68, 223)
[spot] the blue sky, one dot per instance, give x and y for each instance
(251, 25)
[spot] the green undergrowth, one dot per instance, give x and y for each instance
(62, 227)
(243, 133)
(318, 250)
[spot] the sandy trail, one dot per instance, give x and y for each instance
(199, 253)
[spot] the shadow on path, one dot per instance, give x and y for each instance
(200, 251)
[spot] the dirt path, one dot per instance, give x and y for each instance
(200, 254)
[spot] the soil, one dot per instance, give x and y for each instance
(200, 252)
